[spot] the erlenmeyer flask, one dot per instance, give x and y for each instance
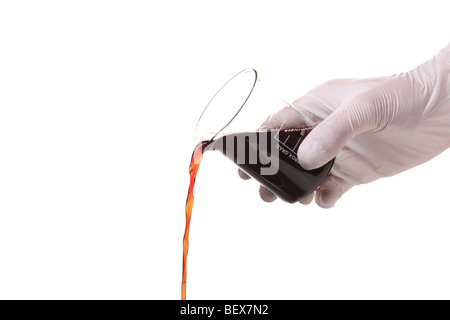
(244, 122)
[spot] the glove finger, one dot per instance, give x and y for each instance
(330, 191)
(266, 194)
(352, 108)
(243, 175)
(308, 199)
(324, 141)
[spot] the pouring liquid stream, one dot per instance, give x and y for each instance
(197, 157)
(291, 183)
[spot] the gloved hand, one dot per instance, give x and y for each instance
(374, 127)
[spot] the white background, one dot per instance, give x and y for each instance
(98, 106)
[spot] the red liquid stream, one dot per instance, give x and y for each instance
(197, 156)
(291, 183)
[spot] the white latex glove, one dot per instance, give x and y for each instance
(375, 127)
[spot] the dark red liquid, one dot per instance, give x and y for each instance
(291, 182)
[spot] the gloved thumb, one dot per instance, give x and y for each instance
(330, 136)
